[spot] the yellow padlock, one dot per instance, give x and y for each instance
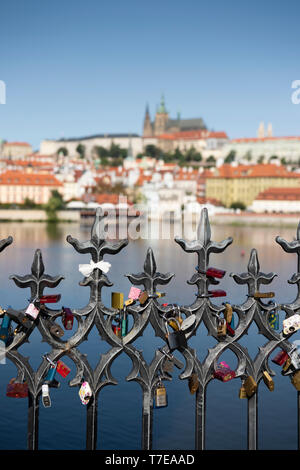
(117, 300)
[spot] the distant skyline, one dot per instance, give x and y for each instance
(74, 68)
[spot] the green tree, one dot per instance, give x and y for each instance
(211, 160)
(81, 150)
(100, 151)
(230, 157)
(191, 155)
(116, 151)
(62, 150)
(54, 204)
(29, 204)
(261, 159)
(238, 205)
(153, 151)
(283, 161)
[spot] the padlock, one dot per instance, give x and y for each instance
(250, 386)
(263, 295)
(32, 311)
(242, 392)
(223, 372)
(176, 339)
(168, 366)
(160, 396)
(286, 365)
(50, 375)
(134, 293)
(62, 369)
(188, 323)
(117, 331)
(214, 272)
(46, 396)
(24, 322)
(221, 328)
(216, 293)
(124, 323)
(143, 297)
(49, 299)
(129, 302)
(295, 379)
(291, 324)
(67, 318)
(193, 383)
(229, 330)
(280, 358)
(295, 359)
(228, 313)
(85, 393)
(17, 389)
(56, 330)
(160, 294)
(172, 358)
(268, 381)
(274, 320)
(5, 329)
(117, 300)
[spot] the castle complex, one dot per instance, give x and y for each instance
(164, 125)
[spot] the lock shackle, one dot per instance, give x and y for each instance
(168, 355)
(167, 323)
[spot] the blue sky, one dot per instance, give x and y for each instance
(75, 68)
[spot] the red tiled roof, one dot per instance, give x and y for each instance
(23, 144)
(280, 194)
(25, 163)
(18, 178)
(105, 198)
(253, 171)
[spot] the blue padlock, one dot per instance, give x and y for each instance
(5, 329)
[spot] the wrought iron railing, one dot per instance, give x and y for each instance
(152, 311)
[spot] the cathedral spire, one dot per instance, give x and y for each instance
(162, 107)
(147, 131)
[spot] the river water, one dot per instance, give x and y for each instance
(63, 426)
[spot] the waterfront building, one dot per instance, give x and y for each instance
(16, 186)
(232, 183)
(281, 200)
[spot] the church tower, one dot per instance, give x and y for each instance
(147, 131)
(161, 118)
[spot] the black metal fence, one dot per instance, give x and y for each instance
(175, 325)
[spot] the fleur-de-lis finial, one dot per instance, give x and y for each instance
(98, 245)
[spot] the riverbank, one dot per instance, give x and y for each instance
(248, 219)
(36, 215)
(251, 219)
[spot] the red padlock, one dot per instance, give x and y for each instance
(49, 299)
(217, 293)
(62, 369)
(214, 272)
(229, 330)
(17, 389)
(67, 318)
(280, 358)
(223, 372)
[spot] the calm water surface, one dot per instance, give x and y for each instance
(63, 425)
